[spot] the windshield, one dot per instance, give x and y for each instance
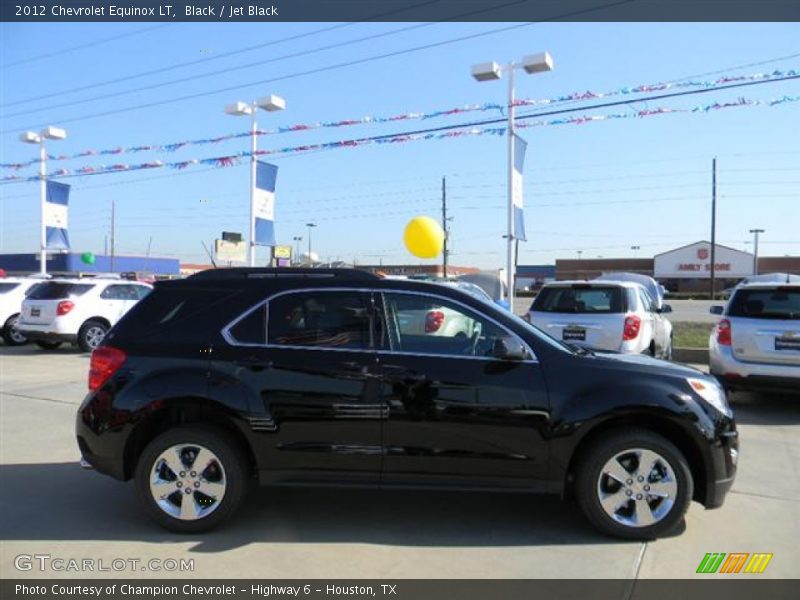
(778, 303)
(579, 299)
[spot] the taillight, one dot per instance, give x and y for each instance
(724, 332)
(632, 326)
(64, 307)
(104, 363)
(433, 321)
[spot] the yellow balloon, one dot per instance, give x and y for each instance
(424, 237)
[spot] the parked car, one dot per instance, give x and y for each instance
(297, 377)
(77, 311)
(12, 293)
(655, 289)
(615, 316)
(756, 343)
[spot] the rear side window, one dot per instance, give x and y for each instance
(780, 303)
(320, 319)
(7, 287)
(57, 290)
(579, 300)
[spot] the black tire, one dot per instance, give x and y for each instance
(8, 334)
(45, 345)
(589, 483)
(234, 476)
(88, 335)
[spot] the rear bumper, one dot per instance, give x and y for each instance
(47, 336)
(735, 374)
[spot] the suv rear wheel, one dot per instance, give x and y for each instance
(191, 479)
(91, 335)
(634, 484)
(11, 334)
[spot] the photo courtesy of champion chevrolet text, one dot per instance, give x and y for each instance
(407, 299)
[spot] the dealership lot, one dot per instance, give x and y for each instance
(53, 507)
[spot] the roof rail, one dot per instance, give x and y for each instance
(283, 272)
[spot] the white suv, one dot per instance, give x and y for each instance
(756, 343)
(78, 311)
(615, 316)
(12, 293)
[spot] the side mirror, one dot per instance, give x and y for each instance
(509, 348)
(716, 310)
(665, 308)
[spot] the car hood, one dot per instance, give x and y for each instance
(648, 361)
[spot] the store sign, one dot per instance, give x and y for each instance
(230, 251)
(694, 262)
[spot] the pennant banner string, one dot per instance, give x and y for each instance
(370, 120)
(242, 157)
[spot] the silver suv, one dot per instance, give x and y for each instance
(756, 343)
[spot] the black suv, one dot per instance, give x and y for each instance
(340, 377)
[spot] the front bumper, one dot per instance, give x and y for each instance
(724, 463)
(735, 374)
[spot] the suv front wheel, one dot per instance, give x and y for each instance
(191, 479)
(634, 484)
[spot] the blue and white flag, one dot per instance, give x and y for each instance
(55, 216)
(264, 203)
(520, 146)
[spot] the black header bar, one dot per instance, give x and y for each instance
(397, 10)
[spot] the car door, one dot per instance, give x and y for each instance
(114, 301)
(316, 381)
(456, 415)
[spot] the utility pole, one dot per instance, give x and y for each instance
(755, 233)
(444, 226)
(713, 223)
(113, 219)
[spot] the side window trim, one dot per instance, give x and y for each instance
(226, 335)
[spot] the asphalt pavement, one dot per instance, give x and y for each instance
(51, 506)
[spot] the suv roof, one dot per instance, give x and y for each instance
(593, 283)
(284, 272)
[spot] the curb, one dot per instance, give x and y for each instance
(690, 355)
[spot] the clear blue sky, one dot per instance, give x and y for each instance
(656, 171)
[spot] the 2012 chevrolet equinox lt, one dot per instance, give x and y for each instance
(340, 377)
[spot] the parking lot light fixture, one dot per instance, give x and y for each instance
(29, 137)
(755, 233)
(269, 103)
(491, 71)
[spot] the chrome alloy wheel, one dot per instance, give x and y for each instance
(188, 481)
(94, 336)
(14, 333)
(637, 487)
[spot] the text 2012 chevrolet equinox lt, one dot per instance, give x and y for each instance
(340, 377)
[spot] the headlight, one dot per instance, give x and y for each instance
(711, 392)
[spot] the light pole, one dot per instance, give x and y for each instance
(535, 63)
(29, 137)
(755, 233)
(297, 239)
(240, 109)
(310, 227)
(580, 253)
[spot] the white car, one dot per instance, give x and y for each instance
(77, 311)
(12, 293)
(756, 343)
(614, 316)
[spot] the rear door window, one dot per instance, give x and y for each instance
(779, 303)
(320, 319)
(57, 290)
(580, 299)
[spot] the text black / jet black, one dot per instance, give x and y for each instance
(339, 377)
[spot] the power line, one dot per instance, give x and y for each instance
(219, 56)
(327, 68)
(80, 47)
